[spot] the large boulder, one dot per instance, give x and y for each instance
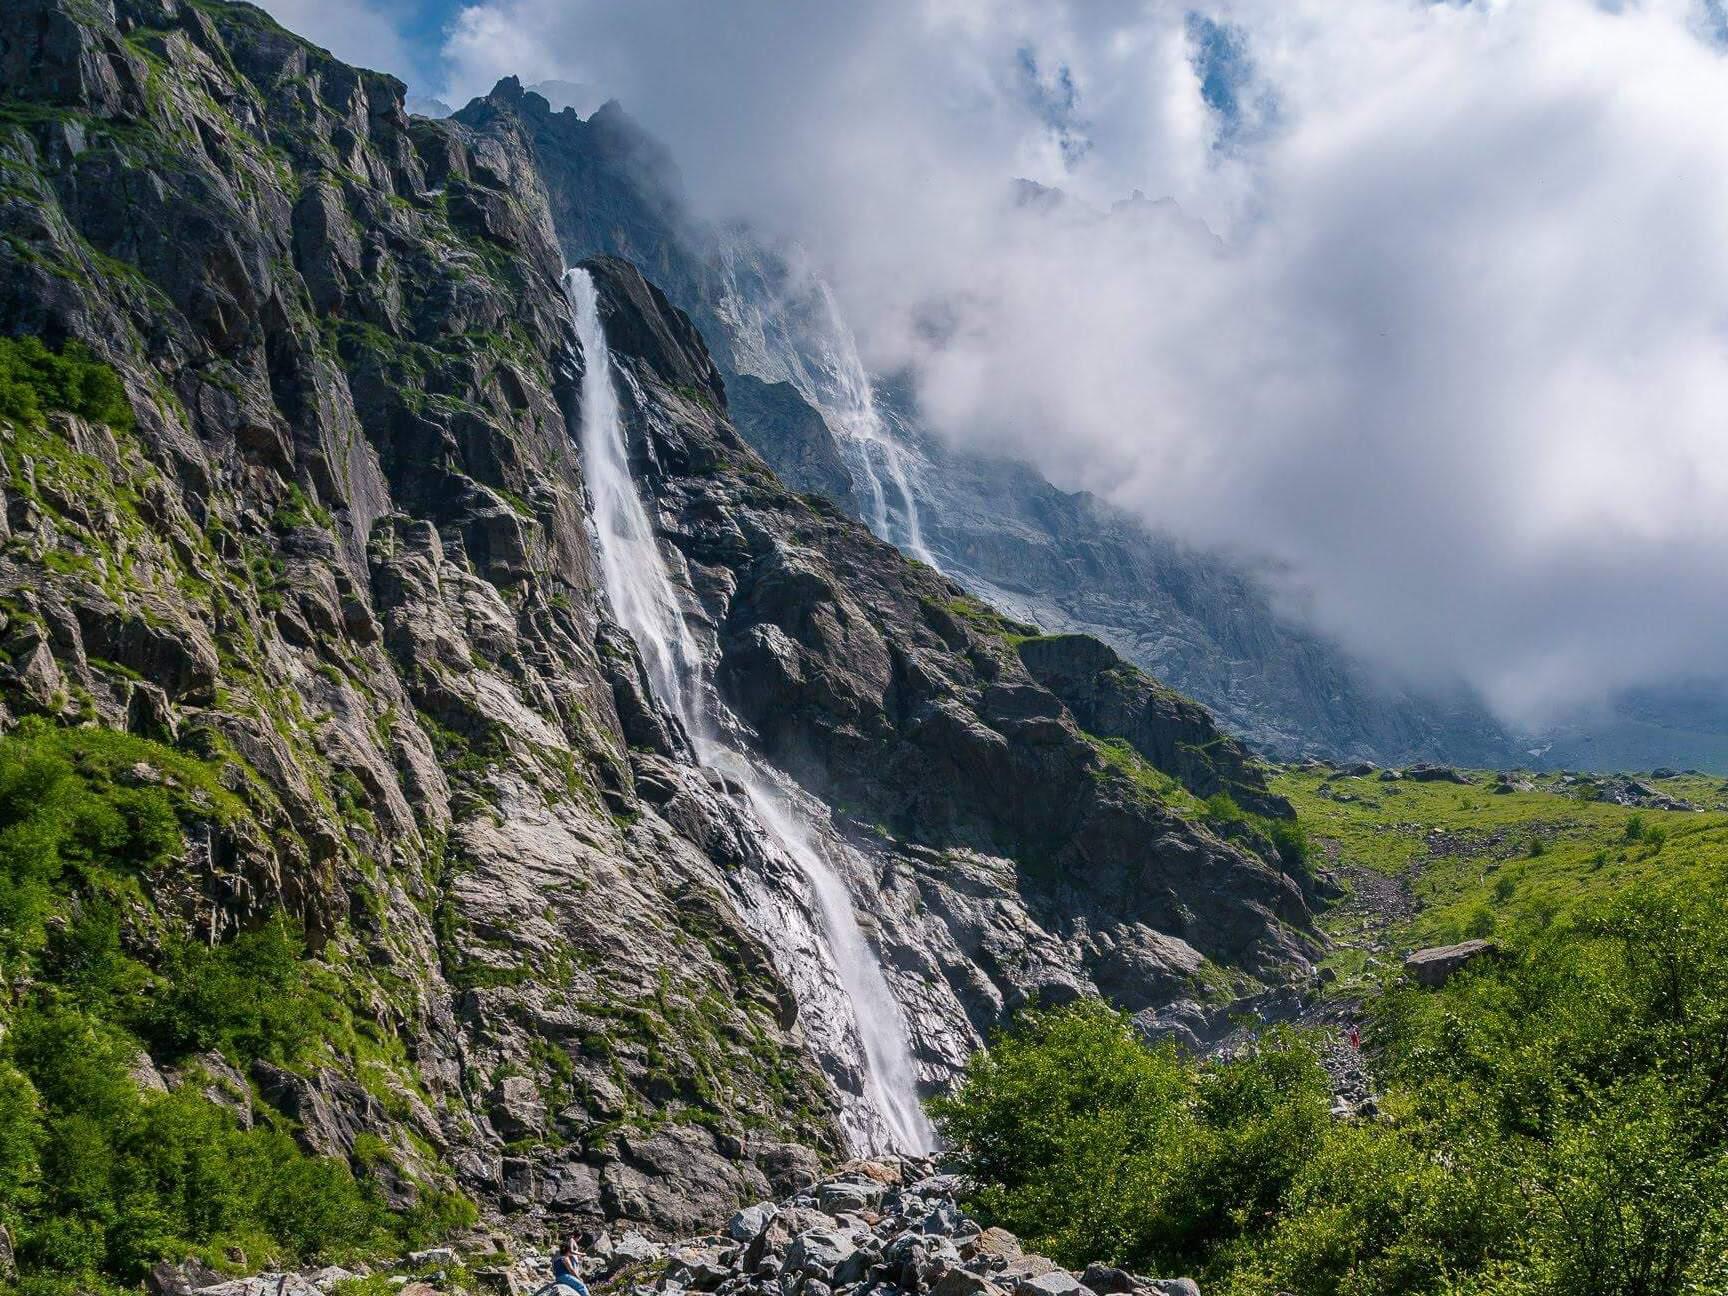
(1436, 965)
(1435, 774)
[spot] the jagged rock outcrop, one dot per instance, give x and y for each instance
(897, 699)
(343, 555)
(1112, 698)
(789, 433)
(344, 551)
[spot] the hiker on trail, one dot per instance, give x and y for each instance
(564, 1268)
(1354, 1036)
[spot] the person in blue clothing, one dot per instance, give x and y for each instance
(564, 1268)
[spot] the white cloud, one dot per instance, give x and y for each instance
(1460, 364)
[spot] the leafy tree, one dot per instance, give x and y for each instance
(1557, 1125)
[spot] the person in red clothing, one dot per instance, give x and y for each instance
(1354, 1036)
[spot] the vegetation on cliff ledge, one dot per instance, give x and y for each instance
(35, 380)
(104, 1169)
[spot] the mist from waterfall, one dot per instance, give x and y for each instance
(645, 601)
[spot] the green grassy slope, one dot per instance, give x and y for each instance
(1429, 863)
(1551, 1122)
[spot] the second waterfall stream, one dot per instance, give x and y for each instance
(645, 600)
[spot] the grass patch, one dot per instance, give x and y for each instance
(1485, 863)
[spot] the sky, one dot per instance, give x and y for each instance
(1436, 322)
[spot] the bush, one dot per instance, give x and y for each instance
(1091, 1144)
(1561, 1127)
(35, 381)
(1290, 836)
(98, 1178)
(251, 997)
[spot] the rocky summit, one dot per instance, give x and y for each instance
(401, 865)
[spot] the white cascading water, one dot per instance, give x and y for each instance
(646, 603)
(849, 401)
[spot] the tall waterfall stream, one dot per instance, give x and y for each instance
(884, 1114)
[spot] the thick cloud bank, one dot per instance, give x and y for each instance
(1438, 319)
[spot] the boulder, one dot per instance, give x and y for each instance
(268, 1284)
(963, 1282)
(633, 1248)
(838, 1196)
(1435, 965)
(1107, 1281)
(182, 1279)
(995, 1245)
(1426, 773)
(746, 1225)
(1026, 1266)
(1058, 1282)
(818, 1249)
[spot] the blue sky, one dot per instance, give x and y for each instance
(403, 37)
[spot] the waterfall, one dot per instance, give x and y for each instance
(870, 446)
(785, 326)
(644, 599)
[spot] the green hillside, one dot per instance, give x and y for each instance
(1433, 862)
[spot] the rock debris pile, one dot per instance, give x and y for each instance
(875, 1229)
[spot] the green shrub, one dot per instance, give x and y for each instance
(64, 820)
(1559, 1127)
(1290, 836)
(251, 997)
(1092, 1145)
(35, 381)
(99, 1178)
(1221, 807)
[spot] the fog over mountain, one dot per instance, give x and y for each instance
(1435, 323)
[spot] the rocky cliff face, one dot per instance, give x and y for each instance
(1065, 562)
(1110, 697)
(343, 558)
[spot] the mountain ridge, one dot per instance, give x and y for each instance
(1064, 561)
